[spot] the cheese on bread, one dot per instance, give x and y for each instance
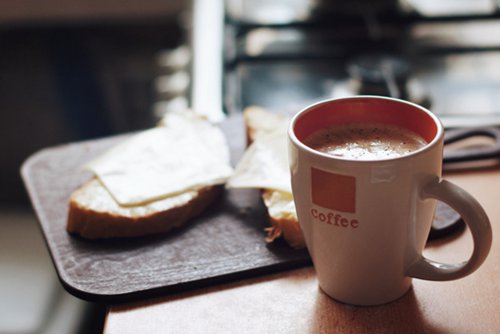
(154, 181)
(264, 166)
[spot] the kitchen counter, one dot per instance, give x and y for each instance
(291, 301)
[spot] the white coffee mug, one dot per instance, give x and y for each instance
(366, 223)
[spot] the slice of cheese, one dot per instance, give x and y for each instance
(185, 153)
(264, 164)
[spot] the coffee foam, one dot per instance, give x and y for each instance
(365, 141)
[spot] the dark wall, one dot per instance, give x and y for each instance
(67, 83)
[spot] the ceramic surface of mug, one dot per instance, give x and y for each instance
(366, 221)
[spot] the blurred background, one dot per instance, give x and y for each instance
(69, 70)
(81, 69)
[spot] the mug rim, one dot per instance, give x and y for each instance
(297, 142)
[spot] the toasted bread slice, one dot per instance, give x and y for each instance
(94, 214)
(280, 206)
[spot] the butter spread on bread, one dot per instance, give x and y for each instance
(264, 166)
(154, 181)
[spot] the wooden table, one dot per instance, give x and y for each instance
(291, 302)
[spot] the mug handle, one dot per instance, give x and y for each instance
(476, 219)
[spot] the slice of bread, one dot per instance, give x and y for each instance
(280, 206)
(94, 214)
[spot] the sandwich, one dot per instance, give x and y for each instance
(264, 166)
(157, 180)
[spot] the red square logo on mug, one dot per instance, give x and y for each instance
(333, 191)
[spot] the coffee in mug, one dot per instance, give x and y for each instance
(365, 141)
(366, 215)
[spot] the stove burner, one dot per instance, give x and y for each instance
(380, 75)
(446, 63)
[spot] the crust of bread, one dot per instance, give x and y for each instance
(94, 214)
(258, 120)
(282, 223)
